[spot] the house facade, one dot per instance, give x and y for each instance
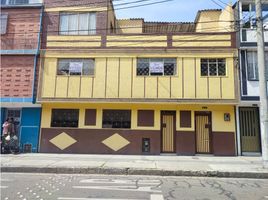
(248, 118)
(135, 87)
(20, 38)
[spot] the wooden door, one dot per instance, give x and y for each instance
(203, 132)
(168, 129)
(249, 129)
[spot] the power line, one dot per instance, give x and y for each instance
(122, 28)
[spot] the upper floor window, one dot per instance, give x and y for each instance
(116, 119)
(156, 66)
(76, 67)
(64, 118)
(77, 23)
(14, 2)
(213, 67)
(252, 65)
(3, 23)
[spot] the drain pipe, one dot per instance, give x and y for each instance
(37, 54)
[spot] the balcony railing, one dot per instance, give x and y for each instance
(250, 35)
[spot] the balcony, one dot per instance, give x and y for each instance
(250, 35)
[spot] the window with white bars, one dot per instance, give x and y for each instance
(252, 65)
(156, 66)
(213, 67)
(77, 23)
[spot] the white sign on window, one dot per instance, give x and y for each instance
(156, 67)
(75, 67)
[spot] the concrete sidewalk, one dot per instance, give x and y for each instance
(244, 167)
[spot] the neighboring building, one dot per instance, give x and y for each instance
(248, 118)
(20, 33)
(135, 87)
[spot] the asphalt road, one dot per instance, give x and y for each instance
(96, 187)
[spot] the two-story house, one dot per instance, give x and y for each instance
(248, 118)
(136, 87)
(20, 38)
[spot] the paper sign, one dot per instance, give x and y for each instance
(75, 67)
(156, 67)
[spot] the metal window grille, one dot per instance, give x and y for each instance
(213, 67)
(143, 67)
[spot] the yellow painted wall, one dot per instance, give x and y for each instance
(115, 77)
(218, 123)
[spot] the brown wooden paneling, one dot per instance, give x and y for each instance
(185, 119)
(145, 117)
(90, 117)
(203, 132)
(185, 143)
(168, 127)
(90, 141)
(224, 143)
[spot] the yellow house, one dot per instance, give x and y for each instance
(135, 87)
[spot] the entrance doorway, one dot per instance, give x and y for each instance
(249, 129)
(16, 115)
(168, 128)
(203, 132)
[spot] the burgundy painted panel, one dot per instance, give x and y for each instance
(185, 143)
(145, 117)
(90, 117)
(90, 141)
(224, 143)
(185, 119)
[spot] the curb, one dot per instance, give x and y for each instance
(132, 171)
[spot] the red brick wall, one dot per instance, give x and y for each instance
(16, 73)
(23, 26)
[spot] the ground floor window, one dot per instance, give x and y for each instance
(64, 118)
(116, 119)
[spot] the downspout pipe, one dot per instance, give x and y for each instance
(37, 54)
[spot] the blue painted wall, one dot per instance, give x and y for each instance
(30, 126)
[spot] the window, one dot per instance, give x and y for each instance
(77, 23)
(76, 67)
(14, 2)
(3, 23)
(252, 65)
(156, 66)
(213, 67)
(65, 118)
(116, 119)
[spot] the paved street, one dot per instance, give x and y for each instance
(97, 187)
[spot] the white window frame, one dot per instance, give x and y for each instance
(91, 27)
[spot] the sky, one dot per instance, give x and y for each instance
(172, 11)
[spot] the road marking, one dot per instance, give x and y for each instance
(71, 198)
(157, 197)
(119, 188)
(3, 187)
(115, 181)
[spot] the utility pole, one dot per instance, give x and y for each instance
(262, 82)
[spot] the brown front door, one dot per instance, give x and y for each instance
(168, 128)
(203, 132)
